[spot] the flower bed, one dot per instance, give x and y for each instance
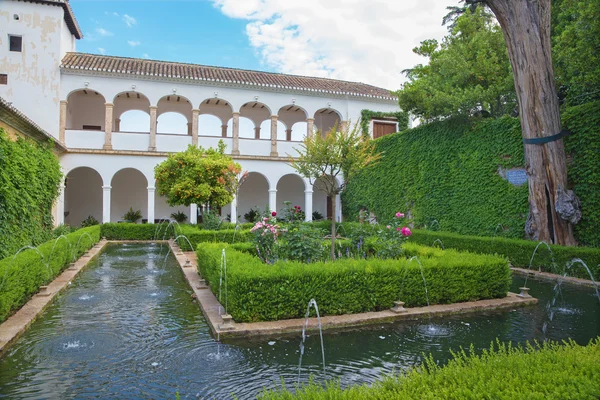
(262, 292)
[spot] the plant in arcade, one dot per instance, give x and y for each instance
(331, 161)
(132, 216)
(389, 240)
(265, 238)
(292, 214)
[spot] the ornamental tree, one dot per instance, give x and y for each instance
(198, 176)
(329, 161)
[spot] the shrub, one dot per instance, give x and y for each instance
(317, 216)
(179, 216)
(292, 213)
(21, 276)
(253, 215)
(261, 292)
(89, 221)
(303, 243)
(546, 371)
(211, 221)
(131, 231)
(62, 229)
(132, 216)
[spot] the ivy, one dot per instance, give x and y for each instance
(367, 115)
(29, 182)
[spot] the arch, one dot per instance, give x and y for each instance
(256, 111)
(290, 187)
(246, 129)
(220, 108)
(209, 125)
(265, 130)
(129, 188)
(85, 110)
(173, 122)
(83, 195)
(253, 193)
(173, 107)
(299, 130)
(326, 118)
(134, 121)
(291, 115)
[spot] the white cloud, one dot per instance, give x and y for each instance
(101, 50)
(145, 55)
(104, 32)
(133, 43)
(357, 40)
(130, 21)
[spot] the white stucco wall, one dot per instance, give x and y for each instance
(83, 196)
(290, 188)
(253, 193)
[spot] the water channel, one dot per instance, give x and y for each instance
(127, 328)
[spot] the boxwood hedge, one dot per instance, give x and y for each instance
(261, 292)
(548, 371)
(22, 276)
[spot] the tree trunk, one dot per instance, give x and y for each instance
(333, 211)
(526, 27)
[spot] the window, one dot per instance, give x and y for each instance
(3, 79)
(16, 43)
(382, 128)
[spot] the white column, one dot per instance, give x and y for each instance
(151, 204)
(235, 129)
(234, 209)
(273, 199)
(105, 204)
(60, 206)
(193, 213)
(308, 201)
(153, 122)
(108, 126)
(338, 208)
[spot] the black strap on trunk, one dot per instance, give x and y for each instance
(548, 139)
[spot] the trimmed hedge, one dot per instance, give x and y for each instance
(261, 292)
(129, 231)
(547, 371)
(22, 276)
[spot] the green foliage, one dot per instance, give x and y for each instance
(301, 242)
(132, 216)
(253, 215)
(89, 221)
(211, 220)
(292, 213)
(468, 74)
(62, 229)
(199, 176)
(446, 171)
(541, 371)
(22, 276)
(261, 292)
(317, 216)
(29, 179)
(367, 115)
(179, 216)
(130, 231)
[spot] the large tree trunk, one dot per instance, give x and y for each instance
(526, 27)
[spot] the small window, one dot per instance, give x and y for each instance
(92, 128)
(16, 43)
(3, 79)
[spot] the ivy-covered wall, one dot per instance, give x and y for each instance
(448, 172)
(367, 115)
(29, 179)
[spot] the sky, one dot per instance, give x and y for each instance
(368, 41)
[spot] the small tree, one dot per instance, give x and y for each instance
(338, 155)
(198, 176)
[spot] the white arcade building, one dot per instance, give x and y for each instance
(119, 117)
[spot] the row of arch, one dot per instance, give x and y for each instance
(132, 113)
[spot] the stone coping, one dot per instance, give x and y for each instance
(553, 277)
(17, 324)
(223, 326)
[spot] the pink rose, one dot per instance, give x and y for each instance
(398, 229)
(399, 215)
(273, 214)
(406, 231)
(388, 227)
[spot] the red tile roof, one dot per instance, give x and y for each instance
(219, 75)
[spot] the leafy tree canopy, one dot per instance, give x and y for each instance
(198, 176)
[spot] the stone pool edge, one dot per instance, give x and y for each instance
(211, 307)
(19, 322)
(547, 276)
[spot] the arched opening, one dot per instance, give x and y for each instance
(290, 188)
(265, 130)
(259, 114)
(174, 115)
(253, 194)
(220, 112)
(83, 196)
(85, 110)
(129, 190)
(291, 115)
(246, 128)
(299, 130)
(131, 112)
(321, 202)
(326, 118)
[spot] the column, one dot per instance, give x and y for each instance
(236, 134)
(118, 125)
(193, 213)
(308, 203)
(224, 130)
(257, 132)
(106, 204)
(343, 126)
(153, 117)
(151, 204)
(338, 208)
(274, 136)
(288, 135)
(60, 206)
(63, 121)
(310, 122)
(273, 199)
(189, 131)
(108, 122)
(234, 209)
(195, 114)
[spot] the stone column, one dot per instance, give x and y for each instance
(343, 126)
(234, 209)
(60, 206)
(308, 203)
(153, 119)
(63, 121)
(224, 130)
(118, 125)
(189, 131)
(273, 199)
(193, 213)
(195, 114)
(288, 135)
(257, 132)
(236, 134)
(108, 122)
(151, 191)
(274, 136)
(106, 204)
(310, 123)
